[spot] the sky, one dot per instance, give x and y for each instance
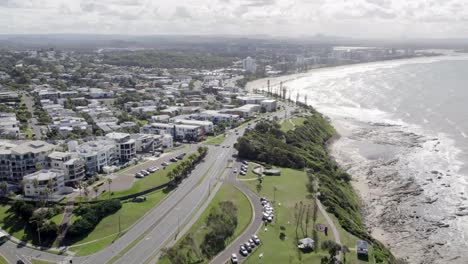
(347, 18)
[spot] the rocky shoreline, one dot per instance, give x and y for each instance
(395, 206)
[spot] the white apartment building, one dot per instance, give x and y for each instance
(20, 158)
(177, 131)
(215, 117)
(98, 154)
(35, 184)
(72, 166)
(66, 125)
(207, 126)
(9, 125)
(249, 65)
(126, 149)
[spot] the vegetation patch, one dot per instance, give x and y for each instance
(227, 216)
(107, 230)
(305, 148)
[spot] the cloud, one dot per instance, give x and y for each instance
(258, 3)
(182, 12)
(275, 17)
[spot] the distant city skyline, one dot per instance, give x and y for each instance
(347, 18)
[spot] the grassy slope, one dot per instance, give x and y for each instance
(287, 125)
(108, 228)
(308, 142)
(215, 140)
(226, 193)
(17, 227)
(290, 190)
(3, 260)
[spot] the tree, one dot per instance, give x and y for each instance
(109, 182)
(4, 188)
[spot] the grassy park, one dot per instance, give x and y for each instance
(108, 228)
(289, 190)
(292, 123)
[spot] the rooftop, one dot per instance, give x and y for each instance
(43, 175)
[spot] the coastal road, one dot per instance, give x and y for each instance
(161, 224)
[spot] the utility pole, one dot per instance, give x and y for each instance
(268, 84)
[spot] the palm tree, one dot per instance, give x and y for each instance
(109, 182)
(22, 184)
(47, 192)
(4, 188)
(36, 184)
(96, 190)
(85, 189)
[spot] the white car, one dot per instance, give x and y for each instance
(256, 239)
(243, 173)
(139, 175)
(234, 259)
(144, 172)
(243, 251)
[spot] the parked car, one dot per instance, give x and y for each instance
(256, 239)
(243, 251)
(139, 175)
(252, 243)
(165, 164)
(235, 170)
(173, 159)
(234, 258)
(144, 172)
(248, 247)
(139, 199)
(245, 162)
(243, 173)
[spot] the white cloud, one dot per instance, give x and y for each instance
(361, 18)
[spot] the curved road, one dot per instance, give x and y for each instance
(253, 227)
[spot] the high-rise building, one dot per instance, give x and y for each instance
(249, 65)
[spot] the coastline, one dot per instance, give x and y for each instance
(377, 218)
(394, 205)
(275, 80)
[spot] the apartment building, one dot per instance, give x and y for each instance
(21, 158)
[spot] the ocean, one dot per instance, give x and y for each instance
(403, 127)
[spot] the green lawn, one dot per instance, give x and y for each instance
(57, 218)
(291, 123)
(108, 227)
(3, 260)
(215, 140)
(290, 190)
(148, 182)
(18, 228)
(40, 261)
(244, 215)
